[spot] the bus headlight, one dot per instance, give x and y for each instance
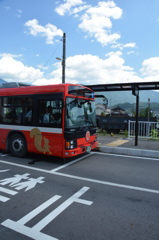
(70, 144)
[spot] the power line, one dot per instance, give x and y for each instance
(51, 55)
(48, 59)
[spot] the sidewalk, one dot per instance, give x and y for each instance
(125, 146)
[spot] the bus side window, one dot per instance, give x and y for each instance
(27, 112)
(57, 117)
(28, 116)
(11, 115)
(50, 112)
(20, 115)
(14, 109)
(41, 111)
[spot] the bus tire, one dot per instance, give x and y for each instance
(17, 145)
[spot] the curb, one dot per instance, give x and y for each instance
(129, 151)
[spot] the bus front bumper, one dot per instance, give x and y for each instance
(81, 149)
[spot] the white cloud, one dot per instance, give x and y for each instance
(82, 69)
(118, 53)
(12, 70)
(150, 68)
(10, 55)
(79, 9)
(44, 81)
(106, 9)
(19, 13)
(129, 45)
(89, 69)
(97, 22)
(50, 31)
(70, 6)
(121, 46)
(130, 52)
(42, 67)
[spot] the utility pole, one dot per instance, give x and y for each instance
(148, 116)
(135, 92)
(64, 58)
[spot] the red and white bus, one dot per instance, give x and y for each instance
(57, 120)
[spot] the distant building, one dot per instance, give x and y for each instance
(118, 111)
(155, 114)
(100, 108)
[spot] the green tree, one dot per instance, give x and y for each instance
(145, 112)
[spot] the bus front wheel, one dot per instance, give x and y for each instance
(17, 145)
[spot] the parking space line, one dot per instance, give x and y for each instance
(108, 183)
(87, 179)
(70, 163)
(26, 167)
(126, 156)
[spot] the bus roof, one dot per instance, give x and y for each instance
(30, 90)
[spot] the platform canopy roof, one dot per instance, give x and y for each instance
(124, 86)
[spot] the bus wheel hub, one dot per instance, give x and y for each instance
(17, 145)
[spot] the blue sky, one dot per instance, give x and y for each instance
(106, 41)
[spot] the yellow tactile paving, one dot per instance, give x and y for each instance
(117, 143)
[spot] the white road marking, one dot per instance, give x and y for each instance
(108, 183)
(52, 215)
(4, 154)
(35, 231)
(38, 210)
(127, 156)
(85, 179)
(13, 180)
(29, 184)
(4, 170)
(4, 199)
(70, 163)
(5, 190)
(26, 167)
(24, 230)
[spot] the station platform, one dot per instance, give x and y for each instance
(125, 146)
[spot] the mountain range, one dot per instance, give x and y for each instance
(2, 81)
(127, 101)
(119, 97)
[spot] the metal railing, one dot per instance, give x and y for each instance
(145, 129)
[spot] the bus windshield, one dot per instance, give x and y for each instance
(80, 113)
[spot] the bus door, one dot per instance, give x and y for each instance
(47, 136)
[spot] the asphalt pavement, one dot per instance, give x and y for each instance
(126, 146)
